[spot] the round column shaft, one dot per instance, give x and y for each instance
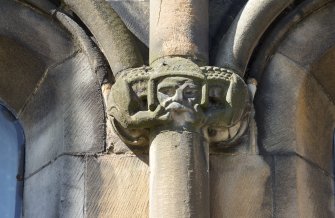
(179, 28)
(179, 178)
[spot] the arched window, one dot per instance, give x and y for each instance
(11, 164)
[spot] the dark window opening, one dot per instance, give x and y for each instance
(11, 164)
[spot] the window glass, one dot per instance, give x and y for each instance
(11, 164)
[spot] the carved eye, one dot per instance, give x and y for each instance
(144, 101)
(213, 100)
(190, 92)
(169, 91)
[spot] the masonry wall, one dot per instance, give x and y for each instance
(75, 165)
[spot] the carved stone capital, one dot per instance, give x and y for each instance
(175, 93)
(228, 106)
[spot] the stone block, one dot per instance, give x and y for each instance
(288, 113)
(275, 104)
(30, 42)
(57, 190)
(315, 125)
(323, 71)
(315, 29)
(36, 31)
(66, 114)
(301, 189)
(117, 186)
(18, 63)
(240, 186)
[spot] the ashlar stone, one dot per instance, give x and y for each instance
(65, 115)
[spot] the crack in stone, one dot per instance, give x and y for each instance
(160, 9)
(42, 79)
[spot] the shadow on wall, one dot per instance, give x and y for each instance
(18, 63)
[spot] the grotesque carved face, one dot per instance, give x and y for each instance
(179, 94)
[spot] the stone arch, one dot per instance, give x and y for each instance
(295, 108)
(61, 107)
(51, 75)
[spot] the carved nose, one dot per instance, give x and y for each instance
(178, 96)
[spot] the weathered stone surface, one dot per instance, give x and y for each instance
(18, 63)
(315, 124)
(35, 31)
(275, 104)
(46, 6)
(94, 55)
(30, 42)
(239, 42)
(114, 39)
(285, 186)
(318, 30)
(323, 71)
(298, 119)
(113, 141)
(117, 186)
(295, 115)
(66, 114)
(135, 15)
(288, 112)
(57, 190)
(179, 28)
(301, 189)
(179, 175)
(240, 186)
(221, 15)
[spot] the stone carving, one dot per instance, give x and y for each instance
(128, 106)
(177, 94)
(180, 87)
(228, 106)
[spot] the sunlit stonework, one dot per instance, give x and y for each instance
(175, 93)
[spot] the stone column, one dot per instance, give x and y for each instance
(179, 28)
(176, 107)
(179, 174)
(174, 104)
(178, 158)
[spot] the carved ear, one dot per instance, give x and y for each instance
(204, 96)
(237, 97)
(152, 95)
(119, 97)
